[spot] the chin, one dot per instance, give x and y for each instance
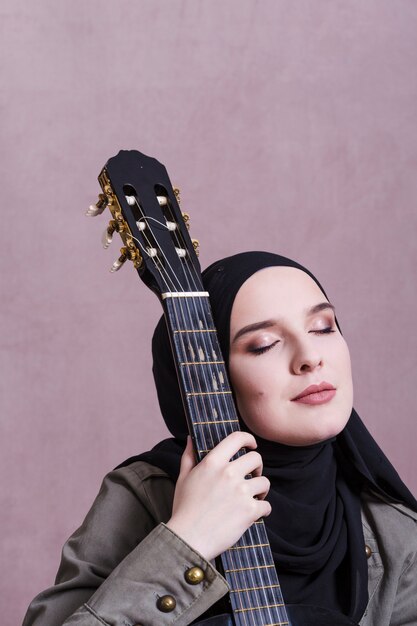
(309, 436)
(332, 430)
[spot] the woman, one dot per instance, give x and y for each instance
(341, 524)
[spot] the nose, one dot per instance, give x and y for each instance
(306, 358)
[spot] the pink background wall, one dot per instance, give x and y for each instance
(290, 126)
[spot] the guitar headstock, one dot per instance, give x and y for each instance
(145, 212)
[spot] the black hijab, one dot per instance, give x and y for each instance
(315, 526)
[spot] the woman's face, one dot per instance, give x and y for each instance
(283, 339)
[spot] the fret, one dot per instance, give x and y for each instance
(204, 379)
(184, 363)
(195, 331)
(211, 406)
(207, 393)
(196, 350)
(192, 321)
(259, 608)
(234, 421)
(184, 294)
(207, 436)
(256, 578)
(207, 450)
(262, 587)
(244, 569)
(248, 546)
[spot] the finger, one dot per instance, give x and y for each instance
(258, 487)
(229, 446)
(264, 508)
(188, 461)
(249, 463)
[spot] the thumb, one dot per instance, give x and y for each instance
(187, 460)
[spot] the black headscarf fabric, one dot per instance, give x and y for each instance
(315, 526)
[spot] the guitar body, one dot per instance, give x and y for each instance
(299, 615)
(145, 212)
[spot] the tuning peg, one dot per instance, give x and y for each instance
(163, 200)
(98, 208)
(107, 236)
(120, 261)
(196, 246)
(186, 219)
(177, 194)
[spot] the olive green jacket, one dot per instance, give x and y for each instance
(118, 566)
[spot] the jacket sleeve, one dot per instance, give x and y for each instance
(390, 531)
(123, 559)
(405, 610)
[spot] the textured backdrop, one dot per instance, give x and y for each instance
(289, 126)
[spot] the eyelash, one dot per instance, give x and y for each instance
(263, 349)
(257, 351)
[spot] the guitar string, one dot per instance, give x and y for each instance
(174, 306)
(195, 281)
(161, 269)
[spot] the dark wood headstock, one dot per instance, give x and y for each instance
(145, 212)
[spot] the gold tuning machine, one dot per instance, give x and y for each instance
(186, 219)
(128, 252)
(99, 206)
(124, 255)
(196, 246)
(107, 237)
(177, 194)
(108, 198)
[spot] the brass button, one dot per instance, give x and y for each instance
(194, 575)
(368, 551)
(166, 604)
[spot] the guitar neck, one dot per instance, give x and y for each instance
(146, 214)
(202, 374)
(248, 566)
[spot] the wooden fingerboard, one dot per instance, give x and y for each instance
(248, 566)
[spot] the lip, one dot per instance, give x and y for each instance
(316, 394)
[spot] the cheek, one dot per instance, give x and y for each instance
(245, 383)
(345, 375)
(343, 358)
(251, 385)
(250, 378)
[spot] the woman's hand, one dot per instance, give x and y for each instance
(213, 502)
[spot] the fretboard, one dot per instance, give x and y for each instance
(248, 566)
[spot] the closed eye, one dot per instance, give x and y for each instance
(323, 331)
(263, 349)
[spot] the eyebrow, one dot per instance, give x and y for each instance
(250, 328)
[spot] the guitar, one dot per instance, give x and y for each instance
(146, 214)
